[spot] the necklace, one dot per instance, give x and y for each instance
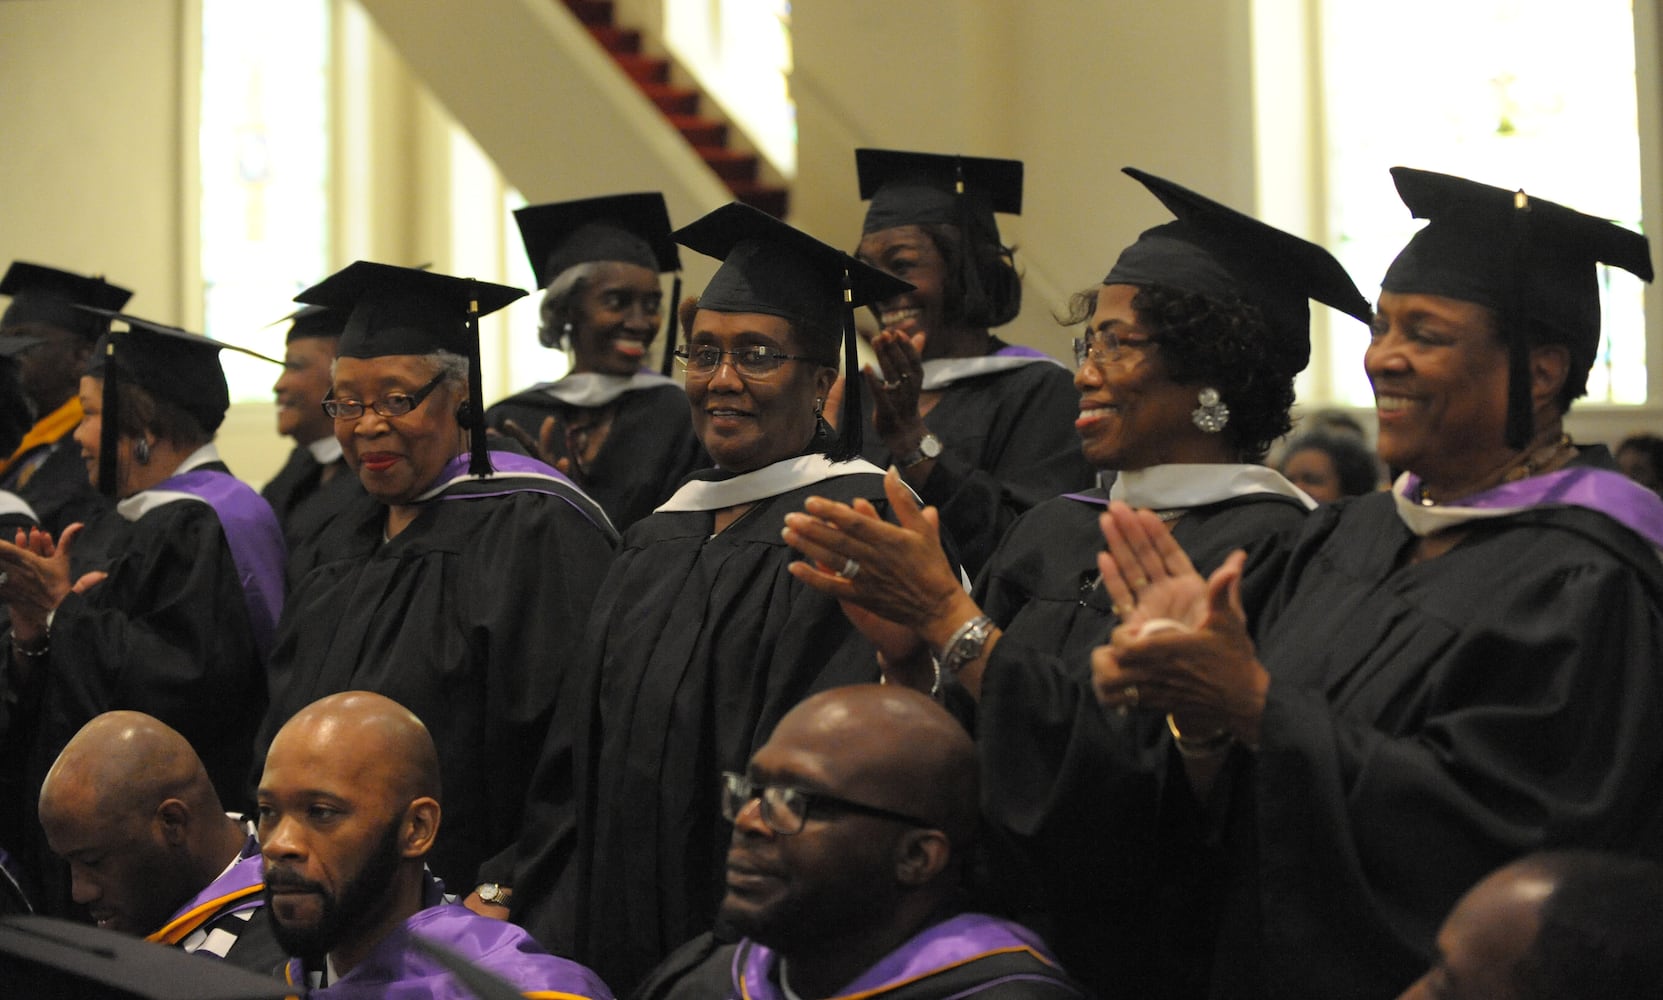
(1542, 459)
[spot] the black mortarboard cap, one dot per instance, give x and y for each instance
(404, 310)
(42, 294)
(1532, 261)
(1217, 252)
(771, 268)
(314, 321)
(50, 958)
(168, 363)
(632, 228)
(909, 189)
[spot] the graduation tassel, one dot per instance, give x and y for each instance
(479, 462)
(672, 327)
(976, 308)
(1521, 420)
(109, 433)
(849, 431)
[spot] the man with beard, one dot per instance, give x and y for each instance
(349, 808)
(150, 850)
(851, 833)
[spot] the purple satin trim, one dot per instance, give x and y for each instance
(254, 537)
(1095, 501)
(1610, 493)
(950, 943)
(1021, 351)
(245, 873)
(501, 462)
(513, 463)
(394, 970)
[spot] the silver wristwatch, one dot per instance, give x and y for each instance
(966, 645)
(929, 446)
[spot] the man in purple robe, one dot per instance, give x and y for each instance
(150, 850)
(349, 809)
(851, 834)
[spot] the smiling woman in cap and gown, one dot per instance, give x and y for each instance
(1212, 305)
(623, 432)
(1449, 675)
(459, 585)
(180, 623)
(701, 639)
(980, 428)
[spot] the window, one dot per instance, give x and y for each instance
(264, 167)
(1516, 93)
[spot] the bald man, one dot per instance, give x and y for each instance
(349, 808)
(1561, 925)
(150, 850)
(850, 834)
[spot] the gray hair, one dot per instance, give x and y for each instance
(560, 301)
(567, 283)
(454, 368)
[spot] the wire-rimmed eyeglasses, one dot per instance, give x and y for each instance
(1103, 346)
(394, 404)
(755, 361)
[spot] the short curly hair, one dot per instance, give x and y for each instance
(1353, 464)
(1221, 343)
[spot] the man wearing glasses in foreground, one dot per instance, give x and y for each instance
(851, 835)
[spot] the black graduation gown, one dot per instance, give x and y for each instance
(650, 447)
(305, 505)
(1062, 780)
(1008, 442)
(699, 644)
(468, 617)
(706, 968)
(167, 634)
(1426, 724)
(59, 488)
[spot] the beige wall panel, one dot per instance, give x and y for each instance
(90, 155)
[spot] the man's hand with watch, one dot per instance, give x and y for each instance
(490, 899)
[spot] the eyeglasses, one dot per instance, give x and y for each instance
(394, 404)
(756, 361)
(785, 809)
(1103, 346)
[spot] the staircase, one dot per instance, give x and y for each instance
(738, 169)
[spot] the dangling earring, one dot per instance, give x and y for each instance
(141, 451)
(566, 329)
(819, 408)
(1212, 415)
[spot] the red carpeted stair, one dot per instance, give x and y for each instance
(739, 170)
